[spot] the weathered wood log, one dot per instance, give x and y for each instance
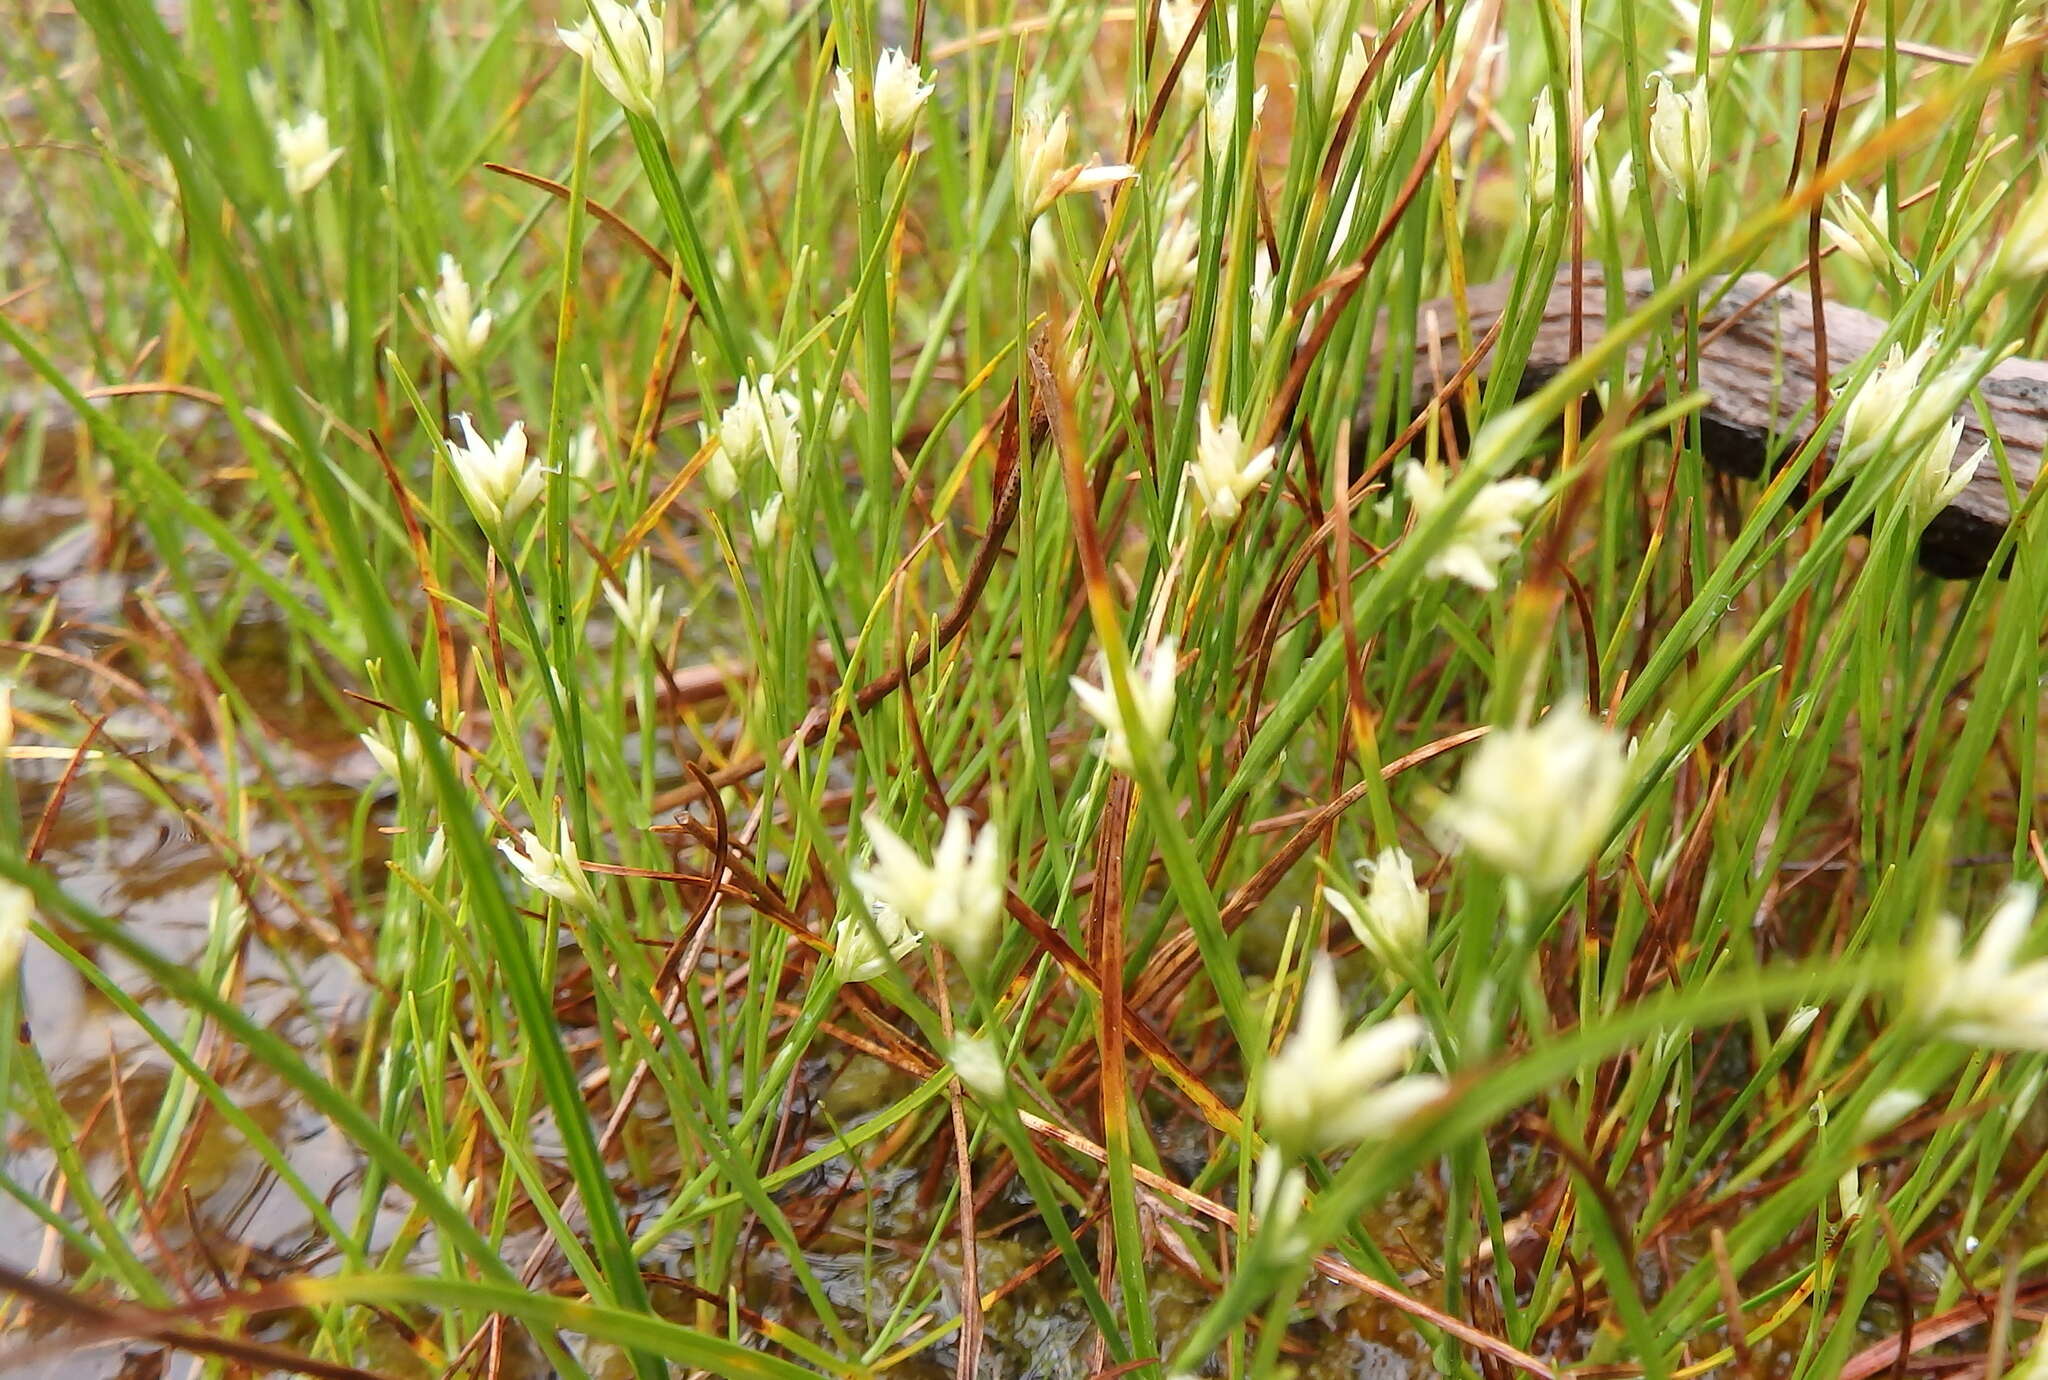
(1756, 365)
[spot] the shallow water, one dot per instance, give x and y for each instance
(287, 944)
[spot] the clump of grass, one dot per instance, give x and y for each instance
(948, 760)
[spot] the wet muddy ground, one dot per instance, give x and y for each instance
(266, 895)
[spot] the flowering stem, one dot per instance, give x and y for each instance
(874, 229)
(559, 652)
(682, 230)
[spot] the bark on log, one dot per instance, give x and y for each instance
(1756, 365)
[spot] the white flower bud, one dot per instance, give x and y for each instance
(1317, 28)
(1933, 481)
(1175, 255)
(1277, 1194)
(638, 605)
(978, 1062)
(767, 523)
(304, 152)
(761, 424)
(1176, 22)
(1612, 196)
(584, 452)
(1398, 107)
(556, 872)
(623, 45)
(1484, 533)
(1225, 470)
(1537, 803)
(1681, 144)
(862, 947)
(1326, 1089)
(1151, 695)
(1543, 152)
(1219, 114)
(1859, 234)
(459, 329)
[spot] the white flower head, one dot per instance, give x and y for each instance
(978, 1062)
(1986, 997)
(1681, 142)
(638, 605)
(2023, 254)
(1393, 924)
(557, 872)
(1897, 410)
(1874, 409)
(1543, 152)
(1151, 695)
(395, 748)
(304, 152)
(17, 909)
(1040, 167)
(1484, 52)
(958, 898)
(1936, 403)
(900, 92)
(1039, 158)
(623, 45)
(719, 476)
(1484, 534)
(499, 481)
(1851, 1192)
(1537, 803)
(1326, 1089)
(459, 328)
(1225, 469)
(761, 424)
